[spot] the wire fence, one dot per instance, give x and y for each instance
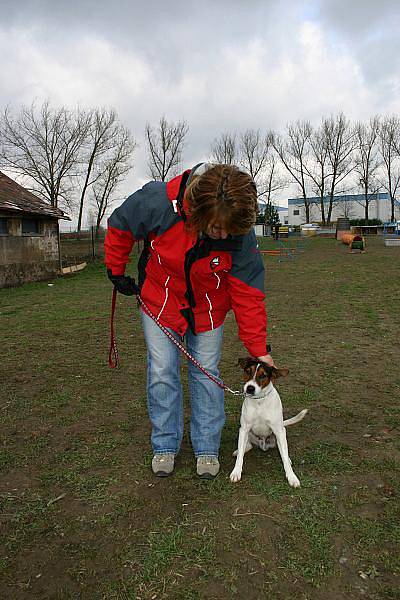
(84, 246)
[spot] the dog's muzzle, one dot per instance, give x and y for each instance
(250, 390)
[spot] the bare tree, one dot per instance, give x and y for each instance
(224, 150)
(293, 152)
(254, 150)
(254, 153)
(273, 182)
(111, 172)
(318, 168)
(396, 142)
(388, 139)
(313, 213)
(253, 157)
(367, 160)
(164, 145)
(103, 136)
(341, 142)
(43, 145)
(346, 208)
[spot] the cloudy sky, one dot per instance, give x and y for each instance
(221, 65)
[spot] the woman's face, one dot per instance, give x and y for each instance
(217, 232)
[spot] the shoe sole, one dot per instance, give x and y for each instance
(162, 474)
(207, 476)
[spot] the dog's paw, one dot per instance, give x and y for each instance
(293, 480)
(235, 476)
(235, 453)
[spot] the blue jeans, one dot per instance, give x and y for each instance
(164, 390)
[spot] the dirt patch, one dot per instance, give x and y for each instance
(83, 517)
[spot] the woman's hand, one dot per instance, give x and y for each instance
(267, 359)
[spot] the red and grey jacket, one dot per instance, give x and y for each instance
(188, 281)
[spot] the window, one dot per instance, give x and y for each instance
(3, 226)
(296, 212)
(30, 226)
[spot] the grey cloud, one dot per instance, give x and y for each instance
(172, 36)
(358, 17)
(220, 64)
(370, 30)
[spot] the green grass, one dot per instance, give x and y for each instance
(80, 507)
(310, 543)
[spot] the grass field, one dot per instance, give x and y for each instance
(83, 517)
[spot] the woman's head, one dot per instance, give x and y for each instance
(222, 201)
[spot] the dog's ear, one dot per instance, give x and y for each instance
(243, 362)
(279, 372)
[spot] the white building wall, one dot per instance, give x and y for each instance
(378, 209)
(284, 216)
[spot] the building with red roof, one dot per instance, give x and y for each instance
(29, 235)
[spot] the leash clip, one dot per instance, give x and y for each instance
(235, 392)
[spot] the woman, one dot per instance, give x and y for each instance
(200, 259)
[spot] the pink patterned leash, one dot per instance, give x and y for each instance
(113, 359)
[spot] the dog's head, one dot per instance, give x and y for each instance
(257, 375)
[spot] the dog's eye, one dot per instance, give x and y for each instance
(262, 376)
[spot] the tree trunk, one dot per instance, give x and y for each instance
(85, 186)
(307, 207)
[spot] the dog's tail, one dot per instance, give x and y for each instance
(296, 419)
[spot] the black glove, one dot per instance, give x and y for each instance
(124, 284)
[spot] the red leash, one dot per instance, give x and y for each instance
(113, 359)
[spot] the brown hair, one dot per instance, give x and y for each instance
(224, 195)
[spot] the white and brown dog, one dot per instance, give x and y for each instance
(261, 422)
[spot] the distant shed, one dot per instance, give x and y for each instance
(29, 235)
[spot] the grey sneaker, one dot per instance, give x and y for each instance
(163, 464)
(207, 467)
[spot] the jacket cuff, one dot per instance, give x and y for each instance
(257, 349)
(116, 270)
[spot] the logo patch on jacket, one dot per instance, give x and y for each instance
(214, 262)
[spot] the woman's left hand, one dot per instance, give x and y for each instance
(267, 359)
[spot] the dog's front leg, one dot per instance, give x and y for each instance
(280, 434)
(242, 443)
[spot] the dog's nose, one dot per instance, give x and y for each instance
(250, 389)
